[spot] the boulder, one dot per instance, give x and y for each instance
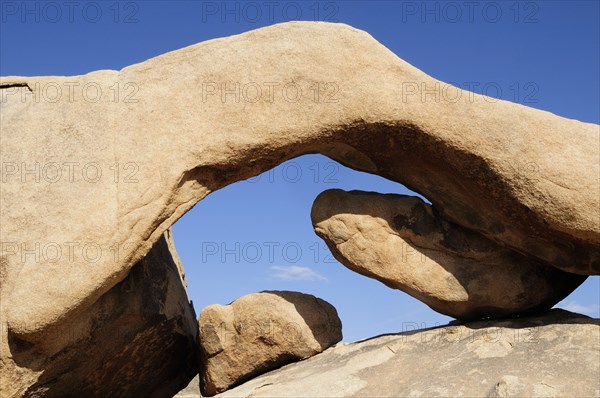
(403, 242)
(138, 340)
(551, 355)
(260, 332)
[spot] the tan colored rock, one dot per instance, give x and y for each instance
(138, 340)
(552, 355)
(192, 390)
(403, 242)
(119, 156)
(260, 332)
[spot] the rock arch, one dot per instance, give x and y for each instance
(171, 134)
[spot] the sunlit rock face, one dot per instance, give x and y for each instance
(260, 332)
(403, 242)
(551, 355)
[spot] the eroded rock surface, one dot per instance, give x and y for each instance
(138, 340)
(260, 332)
(403, 242)
(552, 355)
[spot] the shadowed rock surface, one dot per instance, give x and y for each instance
(403, 242)
(260, 332)
(137, 340)
(553, 355)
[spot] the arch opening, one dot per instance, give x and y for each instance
(256, 235)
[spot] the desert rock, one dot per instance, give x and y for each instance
(138, 340)
(553, 355)
(114, 174)
(260, 332)
(403, 242)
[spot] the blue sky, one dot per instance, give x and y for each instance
(256, 235)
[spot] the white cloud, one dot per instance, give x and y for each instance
(295, 273)
(573, 306)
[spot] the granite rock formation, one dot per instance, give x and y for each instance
(138, 340)
(552, 355)
(404, 243)
(260, 332)
(93, 177)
